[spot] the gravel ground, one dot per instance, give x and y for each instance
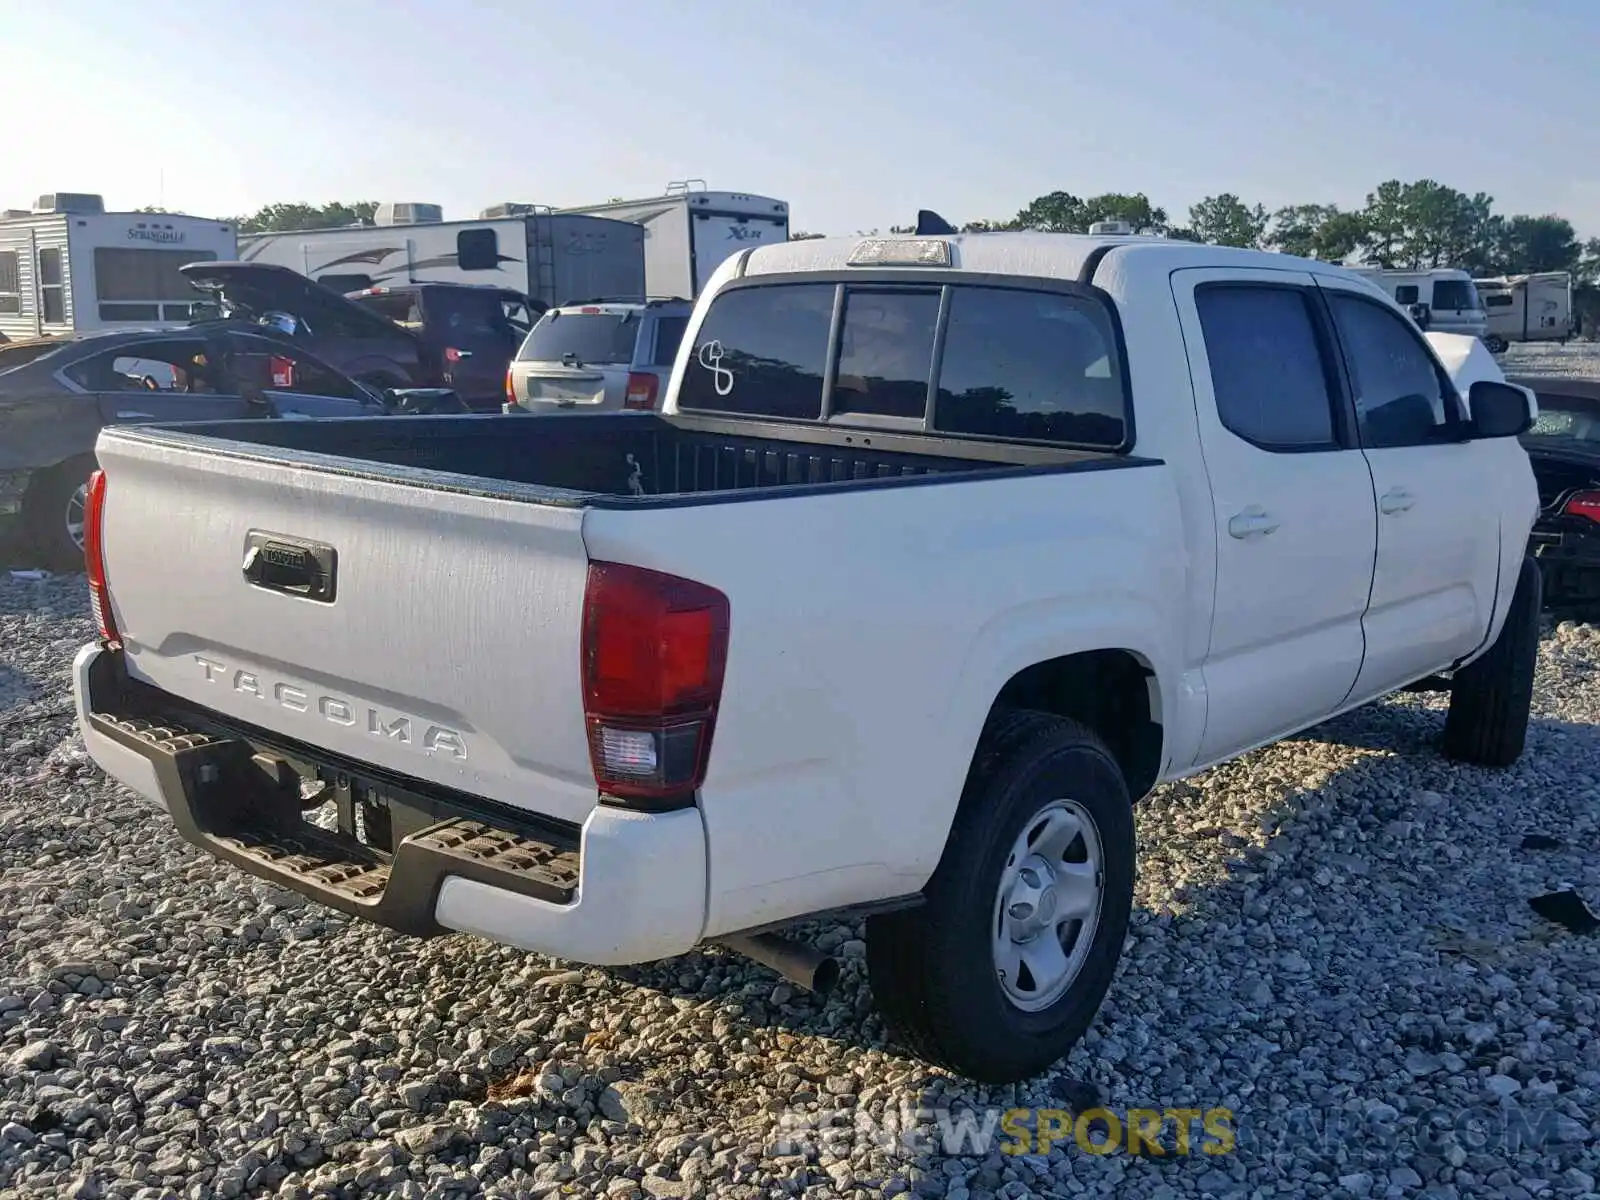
(1332, 941)
(1580, 359)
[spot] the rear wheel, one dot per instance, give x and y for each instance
(1495, 344)
(1490, 698)
(1003, 968)
(53, 512)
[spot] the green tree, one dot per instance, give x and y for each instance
(1226, 220)
(1135, 209)
(1548, 243)
(1062, 212)
(279, 218)
(1316, 231)
(1426, 224)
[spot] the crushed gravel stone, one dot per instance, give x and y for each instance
(1333, 965)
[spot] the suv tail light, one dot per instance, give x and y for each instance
(642, 389)
(511, 388)
(94, 561)
(654, 649)
(1583, 504)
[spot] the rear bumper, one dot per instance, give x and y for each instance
(625, 887)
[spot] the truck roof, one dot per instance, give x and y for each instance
(1042, 255)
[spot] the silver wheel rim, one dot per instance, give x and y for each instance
(1047, 907)
(76, 503)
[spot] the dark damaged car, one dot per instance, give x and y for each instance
(1564, 447)
(459, 336)
(57, 394)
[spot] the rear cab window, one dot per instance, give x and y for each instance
(974, 360)
(588, 336)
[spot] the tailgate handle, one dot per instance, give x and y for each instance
(294, 566)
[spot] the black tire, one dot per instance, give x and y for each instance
(45, 512)
(932, 968)
(1495, 344)
(1490, 697)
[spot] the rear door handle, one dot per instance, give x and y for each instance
(1394, 501)
(1252, 522)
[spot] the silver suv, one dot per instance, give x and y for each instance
(597, 355)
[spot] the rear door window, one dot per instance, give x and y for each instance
(1040, 366)
(1268, 374)
(762, 351)
(463, 314)
(181, 365)
(669, 336)
(580, 339)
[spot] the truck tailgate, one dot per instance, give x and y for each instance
(448, 650)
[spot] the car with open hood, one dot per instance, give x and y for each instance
(363, 344)
(454, 335)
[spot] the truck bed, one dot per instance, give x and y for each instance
(615, 460)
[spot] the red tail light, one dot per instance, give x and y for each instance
(511, 388)
(1583, 504)
(654, 649)
(282, 371)
(642, 389)
(94, 561)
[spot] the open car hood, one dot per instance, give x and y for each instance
(258, 288)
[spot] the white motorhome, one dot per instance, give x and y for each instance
(68, 266)
(1527, 308)
(690, 231)
(1441, 298)
(550, 257)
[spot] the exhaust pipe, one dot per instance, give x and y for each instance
(800, 964)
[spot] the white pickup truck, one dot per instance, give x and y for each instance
(942, 552)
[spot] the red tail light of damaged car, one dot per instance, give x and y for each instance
(1583, 504)
(654, 649)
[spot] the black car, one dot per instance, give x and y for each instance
(1564, 448)
(360, 343)
(56, 395)
(454, 335)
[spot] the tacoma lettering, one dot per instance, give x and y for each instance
(297, 698)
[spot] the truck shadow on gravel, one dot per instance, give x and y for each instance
(1401, 852)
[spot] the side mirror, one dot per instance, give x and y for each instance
(1498, 409)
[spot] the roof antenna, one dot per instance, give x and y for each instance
(929, 221)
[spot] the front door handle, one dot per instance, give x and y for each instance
(1394, 501)
(1252, 522)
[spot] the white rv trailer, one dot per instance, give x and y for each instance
(550, 257)
(689, 231)
(1527, 308)
(1443, 297)
(68, 266)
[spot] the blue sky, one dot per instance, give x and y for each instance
(856, 113)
